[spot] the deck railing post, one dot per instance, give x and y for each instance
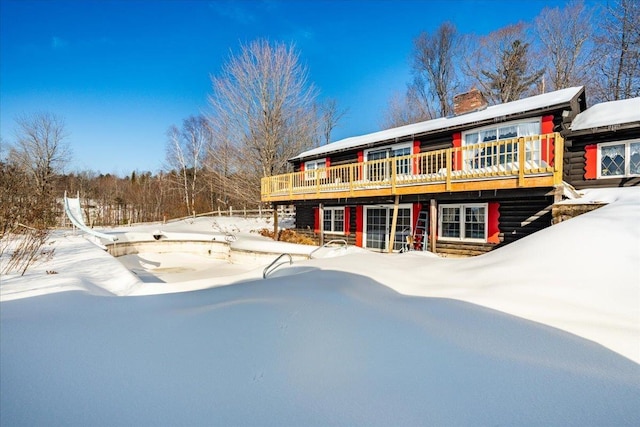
(393, 163)
(290, 184)
(351, 178)
(558, 158)
(449, 166)
(521, 161)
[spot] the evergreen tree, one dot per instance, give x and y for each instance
(511, 80)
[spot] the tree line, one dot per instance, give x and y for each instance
(264, 110)
(597, 47)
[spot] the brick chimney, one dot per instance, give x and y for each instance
(469, 102)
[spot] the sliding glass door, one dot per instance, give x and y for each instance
(378, 221)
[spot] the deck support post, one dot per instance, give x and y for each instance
(275, 221)
(433, 225)
(321, 222)
(394, 222)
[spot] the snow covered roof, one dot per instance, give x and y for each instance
(521, 106)
(608, 114)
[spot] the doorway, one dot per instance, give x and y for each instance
(378, 221)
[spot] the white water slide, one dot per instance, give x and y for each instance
(74, 211)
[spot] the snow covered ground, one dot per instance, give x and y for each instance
(545, 331)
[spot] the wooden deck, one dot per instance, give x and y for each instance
(527, 162)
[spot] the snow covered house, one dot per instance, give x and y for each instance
(603, 147)
(459, 185)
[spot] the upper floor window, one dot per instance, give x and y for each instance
(619, 159)
(380, 170)
(504, 131)
(487, 153)
(311, 169)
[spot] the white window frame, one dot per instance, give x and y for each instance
(627, 157)
(496, 127)
(333, 210)
(390, 149)
(461, 209)
(311, 169)
(389, 209)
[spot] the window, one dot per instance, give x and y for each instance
(311, 169)
(619, 159)
(380, 170)
(333, 220)
(403, 166)
(490, 154)
(463, 222)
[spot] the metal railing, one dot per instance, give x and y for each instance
(510, 158)
(329, 243)
(274, 264)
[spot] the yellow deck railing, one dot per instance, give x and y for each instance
(520, 162)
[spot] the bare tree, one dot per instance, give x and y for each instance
(41, 152)
(41, 148)
(404, 109)
(435, 78)
(185, 150)
(618, 52)
(565, 34)
(501, 65)
(264, 99)
(222, 161)
(330, 116)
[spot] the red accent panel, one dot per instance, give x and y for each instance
(316, 220)
(416, 163)
(546, 127)
(493, 223)
(360, 160)
(547, 124)
(327, 162)
(359, 224)
(591, 162)
(347, 220)
(457, 159)
(301, 166)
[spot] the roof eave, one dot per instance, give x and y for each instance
(605, 129)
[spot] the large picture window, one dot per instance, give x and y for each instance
(487, 154)
(463, 222)
(619, 159)
(333, 220)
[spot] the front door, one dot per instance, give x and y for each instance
(378, 222)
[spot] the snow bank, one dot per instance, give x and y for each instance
(520, 336)
(314, 349)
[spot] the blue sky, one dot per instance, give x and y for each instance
(122, 72)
